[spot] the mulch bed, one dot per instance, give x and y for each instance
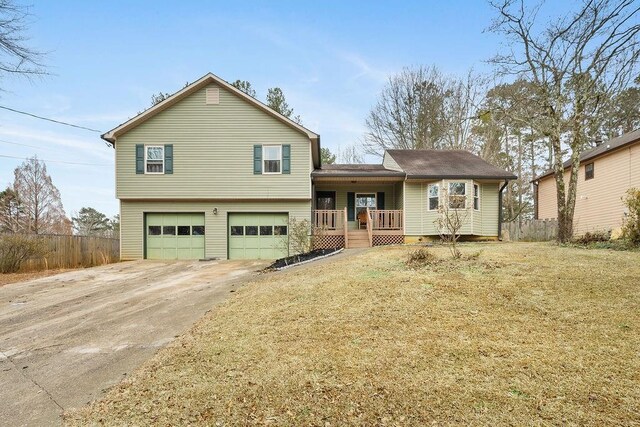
(296, 259)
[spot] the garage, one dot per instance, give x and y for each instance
(258, 235)
(174, 235)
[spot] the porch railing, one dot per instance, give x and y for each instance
(370, 227)
(380, 219)
(386, 219)
(329, 219)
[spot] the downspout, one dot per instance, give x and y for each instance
(506, 182)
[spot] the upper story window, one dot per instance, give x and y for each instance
(476, 197)
(457, 195)
(272, 158)
(154, 159)
(588, 171)
(433, 192)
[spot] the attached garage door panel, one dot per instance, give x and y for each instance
(258, 235)
(175, 235)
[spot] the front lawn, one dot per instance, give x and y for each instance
(523, 334)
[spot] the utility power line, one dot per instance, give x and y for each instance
(56, 161)
(4, 141)
(50, 120)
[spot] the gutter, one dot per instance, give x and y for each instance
(506, 182)
(472, 176)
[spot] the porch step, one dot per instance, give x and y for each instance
(358, 239)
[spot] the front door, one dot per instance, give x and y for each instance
(325, 200)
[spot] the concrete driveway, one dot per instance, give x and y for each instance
(64, 339)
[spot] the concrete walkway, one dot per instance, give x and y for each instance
(65, 339)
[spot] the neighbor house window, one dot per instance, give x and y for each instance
(154, 159)
(457, 195)
(476, 197)
(272, 158)
(433, 191)
(588, 171)
(364, 201)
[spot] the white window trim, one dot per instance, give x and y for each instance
(355, 202)
(466, 194)
(474, 196)
(264, 170)
(437, 185)
(145, 159)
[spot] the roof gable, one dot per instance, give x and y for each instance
(209, 78)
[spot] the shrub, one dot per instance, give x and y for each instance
(17, 248)
(421, 257)
(631, 224)
(299, 241)
(593, 237)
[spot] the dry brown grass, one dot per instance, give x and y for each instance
(523, 334)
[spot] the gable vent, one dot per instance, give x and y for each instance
(213, 95)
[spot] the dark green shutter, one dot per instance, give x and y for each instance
(380, 200)
(286, 158)
(168, 158)
(351, 206)
(257, 159)
(139, 158)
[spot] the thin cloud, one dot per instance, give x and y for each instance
(91, 147)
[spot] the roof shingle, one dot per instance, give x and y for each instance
(446, 164)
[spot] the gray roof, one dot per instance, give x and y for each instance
(427, 164)
(356, 170)
(602, 149)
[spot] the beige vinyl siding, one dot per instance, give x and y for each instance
(213, 153)
(132, 219)
(599, 205)
(419, 220)
(342, 190)
(390, 163)
(547, 204)
(399, 195)
(489, 214)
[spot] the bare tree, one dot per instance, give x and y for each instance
(350, 155)
(40, 199)
(422, 108)
(576, 62)
(16, 57)
(453, 213)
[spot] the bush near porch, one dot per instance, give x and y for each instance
(512, 334)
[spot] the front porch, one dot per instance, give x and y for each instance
(375, 227)
(357, 206)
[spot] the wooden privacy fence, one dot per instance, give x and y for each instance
(533, 230)
(73, 252)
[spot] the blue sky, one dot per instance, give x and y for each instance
(107, 58)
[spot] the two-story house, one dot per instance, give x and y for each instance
(606, 172)
(213, 172)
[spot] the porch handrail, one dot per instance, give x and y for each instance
(387, 219)
(370, 227)
(329, 219)
(346, 229)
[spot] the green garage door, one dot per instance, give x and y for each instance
(175, 235)
(258, 235)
